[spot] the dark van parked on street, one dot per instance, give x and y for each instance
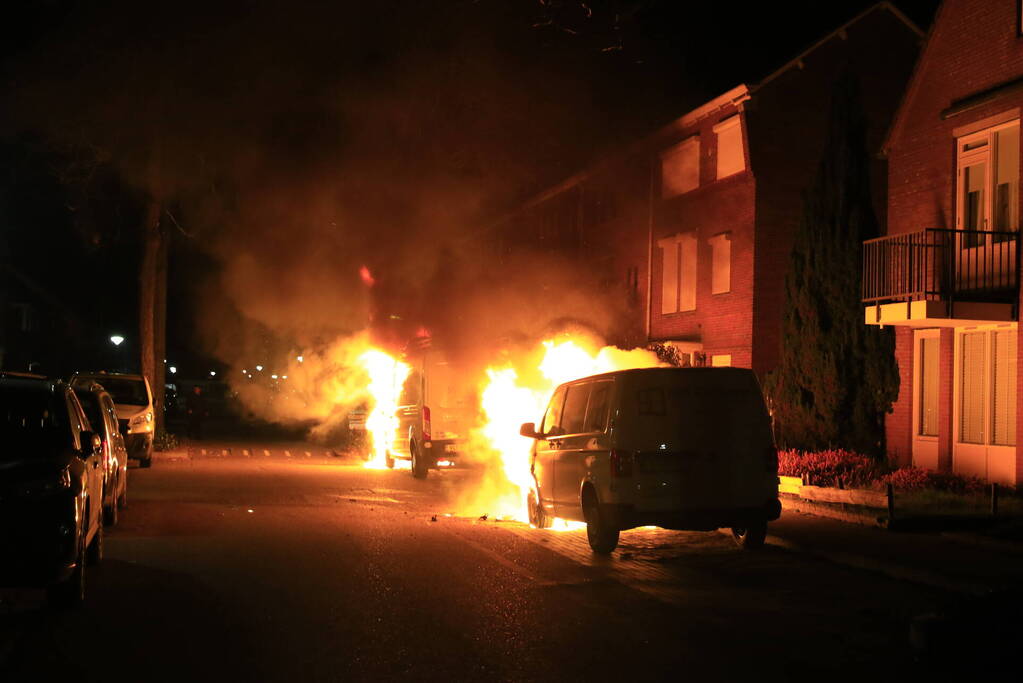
(51, 488)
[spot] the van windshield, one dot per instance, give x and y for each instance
(125, 391)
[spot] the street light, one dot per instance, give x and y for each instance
(259, 368)
(213, 373)
(116, 339)
(301, 359)
(173, 370)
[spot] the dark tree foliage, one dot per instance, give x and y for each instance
(837, 376)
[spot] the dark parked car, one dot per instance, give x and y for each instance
(99, 408)
(51, 488)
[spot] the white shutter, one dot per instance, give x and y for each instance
(971, 396)
(1003, 382)
(669, 274)
(721, 263)
(731, 158)
(928, 396)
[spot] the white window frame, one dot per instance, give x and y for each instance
(918, 337)
(732, 122)
(721, 250)
(678, 256)
(988, 391)
(988, 155)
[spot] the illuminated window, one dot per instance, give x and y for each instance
(573, 419)
(927, 384)
(987, 198)
(721, 263)
(731, 157)
(680, 167)
(678, 273)
(987, 387)
(721, 361)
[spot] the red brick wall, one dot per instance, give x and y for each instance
(974, 46)
(722, 322)
(899, 423)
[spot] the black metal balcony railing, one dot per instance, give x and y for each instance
(942, 265)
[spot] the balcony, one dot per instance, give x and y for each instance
(941, 278)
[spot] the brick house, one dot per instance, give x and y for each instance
(946, 274)
(693, 224)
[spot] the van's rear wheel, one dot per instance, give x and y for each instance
(603, 537)
(751, 536)
(538, 517)
(420, 469)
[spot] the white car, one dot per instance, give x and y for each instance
(679, 448)
(133, 402)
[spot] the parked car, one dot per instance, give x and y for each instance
(51, 488)
(99, 408)
(434, 411)
(679, 448)
(133, 401)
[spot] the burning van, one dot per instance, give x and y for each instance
(434, 411)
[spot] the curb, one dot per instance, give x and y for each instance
(893, 571)
(820, 510)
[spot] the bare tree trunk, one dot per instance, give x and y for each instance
(152, 305)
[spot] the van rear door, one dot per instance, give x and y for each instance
(700, 438)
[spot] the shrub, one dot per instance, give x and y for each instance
(165, 441)
(919, 479)
(826, 468)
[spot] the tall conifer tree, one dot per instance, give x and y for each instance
(837, 376)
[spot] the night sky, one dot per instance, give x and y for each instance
(294, 142)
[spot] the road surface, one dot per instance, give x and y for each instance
(310, 568)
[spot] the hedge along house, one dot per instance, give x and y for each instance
(946, 275)
(730, 178)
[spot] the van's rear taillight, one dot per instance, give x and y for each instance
(771, 460)
(426, 423)
(621, 463)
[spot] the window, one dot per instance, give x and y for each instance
(927, 392)
(987, 387)
(574, 417)
(596, 411)
(680, 167)
(721, 263)
(678, 273)
(723, 360)
(988, 182)
(731, 157)
(552, 419)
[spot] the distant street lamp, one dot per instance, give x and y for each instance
(300, 359)
(259, 368)
(173, 370)
(116, 339)
(213, 373)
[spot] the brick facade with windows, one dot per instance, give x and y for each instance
(950, 176)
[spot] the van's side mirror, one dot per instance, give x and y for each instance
(91, 444)
(528, 429)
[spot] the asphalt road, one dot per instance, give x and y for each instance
(310, 568)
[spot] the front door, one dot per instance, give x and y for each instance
(544, 454)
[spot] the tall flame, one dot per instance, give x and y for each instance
(386, 377)
(513, 395)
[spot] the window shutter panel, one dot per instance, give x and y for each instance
(1004, 383)
(971, 409)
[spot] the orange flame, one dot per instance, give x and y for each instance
(367, 276)
(386, 377)
(511, 396)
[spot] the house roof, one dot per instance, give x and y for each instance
(914, 82)
(735, 96)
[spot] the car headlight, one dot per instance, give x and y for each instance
(140, 420)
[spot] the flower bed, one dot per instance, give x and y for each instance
(827, 468)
